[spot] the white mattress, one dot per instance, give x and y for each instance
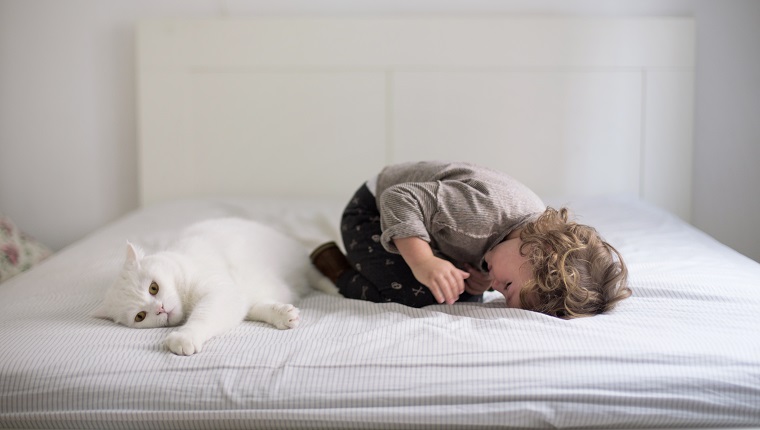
(683, 351)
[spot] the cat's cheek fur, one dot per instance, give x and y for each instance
(175, 318)
(102, 313)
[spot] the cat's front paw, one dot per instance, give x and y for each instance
(183, 343)
(285, 316)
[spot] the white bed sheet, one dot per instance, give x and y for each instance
(683, 351)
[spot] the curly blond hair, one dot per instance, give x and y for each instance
(576, 273)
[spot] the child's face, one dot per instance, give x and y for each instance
(509, 270)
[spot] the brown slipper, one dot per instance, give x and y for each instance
(330, 261)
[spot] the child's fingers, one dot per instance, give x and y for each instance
(440, 291)
(454, 286)
(437, 294)
(453, 291)
(442, 287)
(445, 281)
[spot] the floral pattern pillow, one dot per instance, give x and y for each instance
(18, 252)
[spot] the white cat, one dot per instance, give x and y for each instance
(218, 273)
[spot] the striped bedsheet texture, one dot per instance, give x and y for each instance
(684, 351)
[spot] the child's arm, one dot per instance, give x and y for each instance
(444, 280)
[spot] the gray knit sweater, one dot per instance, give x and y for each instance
(461, 209)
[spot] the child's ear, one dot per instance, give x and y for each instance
(134, 255)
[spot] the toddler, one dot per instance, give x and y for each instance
(430, 232)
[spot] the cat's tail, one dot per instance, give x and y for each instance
(320, 282)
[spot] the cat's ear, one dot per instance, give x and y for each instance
(134, 254)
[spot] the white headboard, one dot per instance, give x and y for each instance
(313, 106)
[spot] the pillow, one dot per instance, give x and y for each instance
(18, 252)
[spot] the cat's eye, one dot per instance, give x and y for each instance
(153, 288)
(140, 316)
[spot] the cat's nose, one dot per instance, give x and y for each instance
(161, 310)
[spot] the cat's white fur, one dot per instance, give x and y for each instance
(216, 274)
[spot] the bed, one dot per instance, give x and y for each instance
(251, 117)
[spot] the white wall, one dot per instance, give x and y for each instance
(67, 105)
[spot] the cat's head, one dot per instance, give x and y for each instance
(144, 295)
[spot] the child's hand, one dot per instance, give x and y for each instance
(478, 282)
(442, 278)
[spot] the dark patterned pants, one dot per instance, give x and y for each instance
(377, 275)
